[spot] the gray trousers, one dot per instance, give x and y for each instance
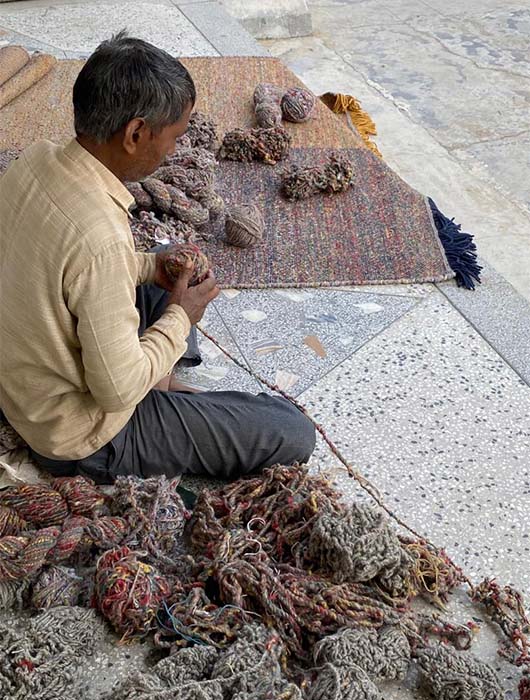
(223, 434)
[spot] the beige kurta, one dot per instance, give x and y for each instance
(72, 367)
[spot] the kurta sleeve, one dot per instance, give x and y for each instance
(146, 263)
(120, 367)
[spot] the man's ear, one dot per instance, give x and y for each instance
(135, 132)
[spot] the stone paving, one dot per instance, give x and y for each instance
(424, 387)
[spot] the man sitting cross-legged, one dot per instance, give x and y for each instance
(89, 329)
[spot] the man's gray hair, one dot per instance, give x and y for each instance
(126, 78)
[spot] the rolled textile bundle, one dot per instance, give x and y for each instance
(37, 67)
(12, 59)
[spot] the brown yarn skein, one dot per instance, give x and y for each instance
(244, 225)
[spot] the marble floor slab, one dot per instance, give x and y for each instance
(9, 37)
(435, 418)
(216, 372)
(80, 28)
(295, 337)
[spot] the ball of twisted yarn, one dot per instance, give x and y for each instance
(182, 253)
(128, 592)
(297, 104)
(244, 225)
(56, 585)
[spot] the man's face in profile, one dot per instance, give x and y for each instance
(151, 148)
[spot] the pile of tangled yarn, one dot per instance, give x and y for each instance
(149, 231)
(334, 176)
(178, 199)
(201, 133)
(271, 587)
(246, 145)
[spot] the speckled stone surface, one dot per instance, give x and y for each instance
(294, 337)
(441, 424)
(81, 28)
(499, 314)
(9, 37)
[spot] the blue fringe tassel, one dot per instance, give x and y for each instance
(459, 248)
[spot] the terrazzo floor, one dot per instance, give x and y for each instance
(413, 394)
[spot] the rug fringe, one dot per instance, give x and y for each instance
(342, 104)
(459, 248)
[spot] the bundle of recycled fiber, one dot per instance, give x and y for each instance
(192, 158)
(243, 225)
(359, 545)
(304, 606)
(505, 606)
(191, 617)
(155, 513)
(182, 193)
(180, 255)
(42, 505)
(192, 181)
(252, 668)
(11, 523)
(343, 683)
(12, 59)
(334, 176)
(280, 506)
(39, 505)
(40, 655)
(268, 145)
(164, 198)
(382, 654)
(149, 231)
(81, 494)
(23, 556)
(37, 67)
(267, 98)
(449, 674)
(56, 585)
(187, 210)
(128, 592)
(297, 104)
(263, 536)
(201, 133)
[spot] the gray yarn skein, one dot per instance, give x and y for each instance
(52, 643)
(343, 683)
(456, 675)
(383, 656)
(357, 545)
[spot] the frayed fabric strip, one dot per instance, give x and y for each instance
(459, 248)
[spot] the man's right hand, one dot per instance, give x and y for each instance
(193, 300)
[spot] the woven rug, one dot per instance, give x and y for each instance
(382, 231)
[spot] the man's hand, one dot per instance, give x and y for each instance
(161, 277)
(193, 300)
